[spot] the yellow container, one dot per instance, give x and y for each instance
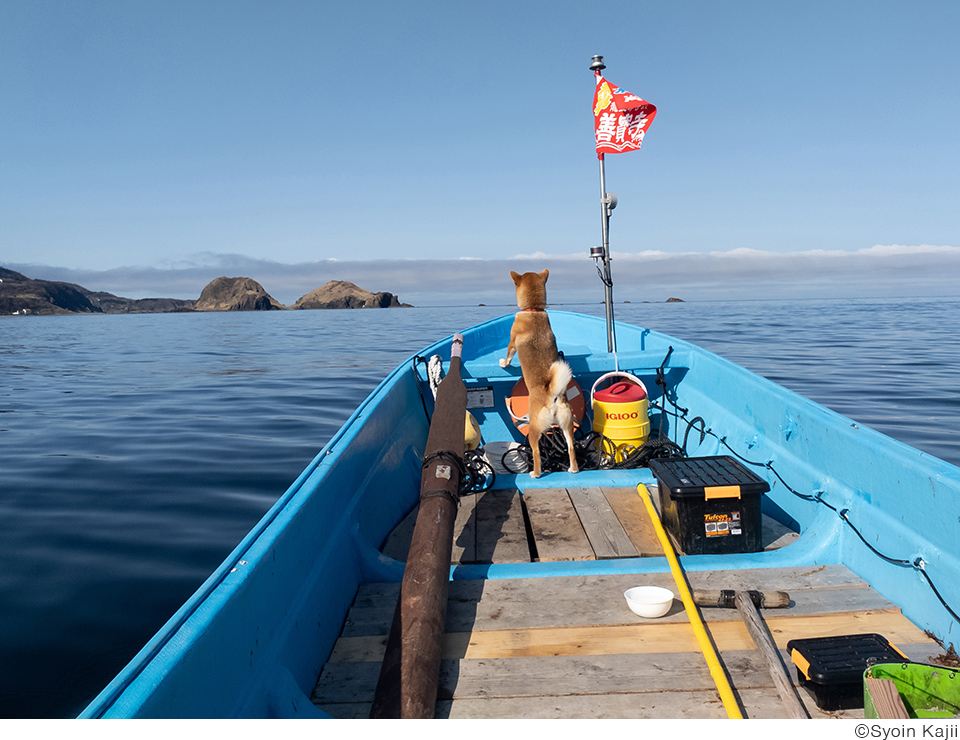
(621, 412)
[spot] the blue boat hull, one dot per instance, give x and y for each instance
(253, 639)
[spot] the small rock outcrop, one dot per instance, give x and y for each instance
(235, 294)
(344, 294)
(115, 304)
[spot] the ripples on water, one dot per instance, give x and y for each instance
(136, 451)
(892, 365)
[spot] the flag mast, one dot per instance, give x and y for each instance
(607, 203)
(621, 120)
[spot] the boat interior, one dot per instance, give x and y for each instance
(537, 625)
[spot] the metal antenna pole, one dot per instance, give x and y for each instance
(607, 204)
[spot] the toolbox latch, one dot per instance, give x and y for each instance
(711, 492)
(801, 663)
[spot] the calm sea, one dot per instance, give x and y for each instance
(136, 451)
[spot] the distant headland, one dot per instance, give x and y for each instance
(22, 295)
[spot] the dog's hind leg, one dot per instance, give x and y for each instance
(566, 424)
(533, 437)
(574, 468)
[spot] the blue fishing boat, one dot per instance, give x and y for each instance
(858, 530)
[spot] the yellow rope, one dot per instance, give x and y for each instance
(706, 647)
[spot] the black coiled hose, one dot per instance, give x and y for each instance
(593, 451)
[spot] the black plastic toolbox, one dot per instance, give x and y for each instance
(832, 667)
(711, 505)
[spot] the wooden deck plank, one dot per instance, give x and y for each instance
(597, 607)
(591, 588)
(756, 704)
(540, 602)
(632, 639)
(347, 683)
(669, 705)
(603, 528)
(632, 513)
(706, 704)
(590, 675)
(556, 530)
(501, 532)
(669, 637)
(465, 531)
(561, 676)
(685, 705)
(886, 698)
(774, 535)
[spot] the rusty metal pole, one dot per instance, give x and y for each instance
(410, 674)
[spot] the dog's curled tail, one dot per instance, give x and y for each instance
(560, 377)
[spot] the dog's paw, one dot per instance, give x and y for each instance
(573, 469)
(503, 362)
(534, 474)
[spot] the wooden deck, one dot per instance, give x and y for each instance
(568, 647)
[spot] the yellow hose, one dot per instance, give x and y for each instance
(706, 647)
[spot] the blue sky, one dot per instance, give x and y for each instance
(799, 148)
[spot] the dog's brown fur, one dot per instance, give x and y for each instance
(545, 375)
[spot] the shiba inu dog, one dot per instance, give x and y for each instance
(544, 373)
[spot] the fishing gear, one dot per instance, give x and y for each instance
(478, 473)
(593, 451)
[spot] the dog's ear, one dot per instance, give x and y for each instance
(544, 275)
(517, 277)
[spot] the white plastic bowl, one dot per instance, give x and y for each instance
(649, 601)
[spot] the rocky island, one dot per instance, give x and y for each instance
(235, 294)
(343, 294)
(22, 295)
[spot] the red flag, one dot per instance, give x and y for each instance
(620, 118)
